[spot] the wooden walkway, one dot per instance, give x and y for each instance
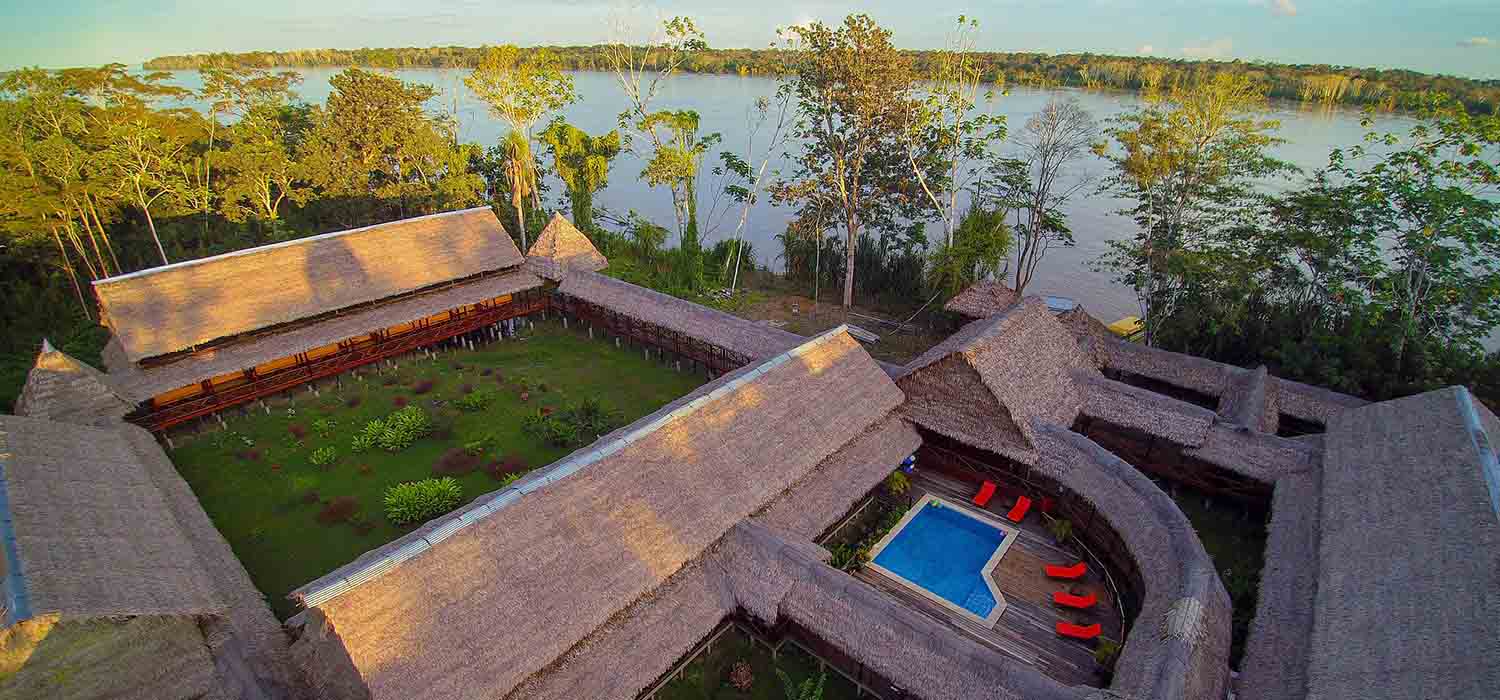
(1026, 629)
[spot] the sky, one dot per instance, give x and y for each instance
(1458, 37)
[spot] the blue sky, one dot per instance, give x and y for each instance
(1449, 36)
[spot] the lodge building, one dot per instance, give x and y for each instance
(598, 575)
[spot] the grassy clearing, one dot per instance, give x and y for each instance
(258, 482)
(707, 677)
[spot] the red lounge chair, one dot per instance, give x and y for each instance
(1068, 600)
(1068, 629)
(1066, 572)
(986, 492)
(1018, 513)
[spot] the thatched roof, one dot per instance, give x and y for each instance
(1142, 409)
(745, 337)
(1313, 403)
(640, 643)
(174, 307)
(1276, 654)
(498, 600)
(151, 657)
(1178, 647)
(983, 299)
(561, 248)
(988, 382)
(138, 384)
(98, 524)
(91, 532)
(825, 495)
(61, 388)
(1409, 554)
(1251, 400)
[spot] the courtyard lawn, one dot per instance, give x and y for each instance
(708, 676)
(257, 480)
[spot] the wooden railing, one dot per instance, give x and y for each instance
(351, 356)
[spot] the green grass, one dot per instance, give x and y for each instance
(707, 677)
(1237, 546)
(259, 501)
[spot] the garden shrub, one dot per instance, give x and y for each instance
(353, 401)
(420, 501)
(467, 388)
(311, 496)
(457, 461)
(422, 387)
(363, 442)
(338, 510)
(475, 401)
(364, 469)
(251, 455)
(404, 427)
(324, 427)
(324, 456)
(388, 381)
(399, 402)
(486, 372)
(297, 431)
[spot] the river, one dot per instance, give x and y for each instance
(725, 101)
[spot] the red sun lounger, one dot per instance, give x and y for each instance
(1068, 629)
(1066, 572)
(1068, 600)
(1018, 513)
(986, 492)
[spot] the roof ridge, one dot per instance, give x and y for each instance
(275, 246)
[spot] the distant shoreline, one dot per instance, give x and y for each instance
(1384, 89)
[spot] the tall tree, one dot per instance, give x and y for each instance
(946, 140)
(261, 172)
(373, 141)
(643, 62)
(854, 95)
(521, 88)
(1190, 163)
(1040, 185)
(145, 154)
(582, 163)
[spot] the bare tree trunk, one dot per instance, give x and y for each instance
(150, 223)
(93, 240)
(72, 276)
(849, 263)
(108, 245)
(515, 199)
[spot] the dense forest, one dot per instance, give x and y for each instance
(1384, 88)
(1377, 275)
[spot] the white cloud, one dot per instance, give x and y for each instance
(1146, 48)
(1218, 48)
(1286, 8)
(1477, 42)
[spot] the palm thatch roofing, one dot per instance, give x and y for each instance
(986, 384)
(500, 599)
(1409, 552)
(98, 524)
(174, 307)
(1179, 645)
(561, 248)
(61, 388)
(149, 657)
(138, 383)
(1276, 654)
(983, 299)
(745, 337)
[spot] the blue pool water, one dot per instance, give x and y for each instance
(944, 551)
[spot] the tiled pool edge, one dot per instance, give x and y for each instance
(984, 574)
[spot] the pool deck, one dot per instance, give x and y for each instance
(1025, 629)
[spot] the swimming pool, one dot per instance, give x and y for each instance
(945, 553)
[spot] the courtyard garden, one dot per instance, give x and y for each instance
(300, 488)
(737, 668)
